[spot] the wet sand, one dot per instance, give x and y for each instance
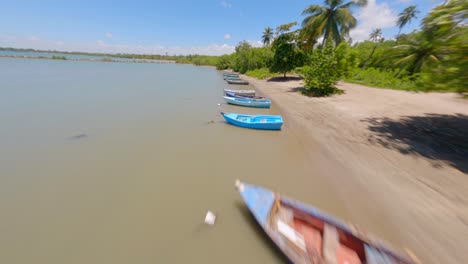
(396, 159)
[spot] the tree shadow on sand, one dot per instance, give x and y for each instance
(441, 138)
(282, 79)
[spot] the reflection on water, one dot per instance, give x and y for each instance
(118, 163)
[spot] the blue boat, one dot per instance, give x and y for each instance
(230, 94)
(306, 235)
(230, 74)
(264, 122)
(249, 102)
(234, 78)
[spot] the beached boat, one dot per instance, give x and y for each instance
(238, 82)
(307, 235)
(240, 92)
(249, 102)
(264, 122)
(244, 96)
(232, 78)
(230, 74)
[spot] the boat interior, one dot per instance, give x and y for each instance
(315, 241)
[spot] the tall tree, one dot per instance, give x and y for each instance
(267, 36)
(333, 21)
(287, 55)
(376, 37)
(406, 16)
(419, 51)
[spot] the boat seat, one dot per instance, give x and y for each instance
(312, 236)
(334, 252)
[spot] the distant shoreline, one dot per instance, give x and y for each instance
(103, 59)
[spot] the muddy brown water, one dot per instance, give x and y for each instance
(118, 163)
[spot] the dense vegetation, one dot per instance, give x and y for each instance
(432, 58)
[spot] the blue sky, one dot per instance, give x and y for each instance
(176, 27)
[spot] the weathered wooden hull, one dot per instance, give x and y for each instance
(306, 235)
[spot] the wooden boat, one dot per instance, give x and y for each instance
(232, 78)
(240, 92)
(264, 122)
(249, 102)
(230, 74)
(307, 235)
(244, 96)
(238, 82)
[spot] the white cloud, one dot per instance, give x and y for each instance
(373, 16)
(103, 47)
(255, 43)
(226, 4)
(227, 36)
(108, 35)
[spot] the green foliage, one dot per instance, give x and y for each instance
(224, 62)
(59, 57)
(384, 79)
(332, 21)
(321, 73)
(347, 59)
(446, 24)
(262, 73)
(287, 56)
(406, 16)
(249, 58)
(267, 36)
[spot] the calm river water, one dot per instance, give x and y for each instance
(118, 163)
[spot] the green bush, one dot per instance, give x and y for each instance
(321, 74)
(262, 73)
(384, 79)
(224, 62)
(58, 57)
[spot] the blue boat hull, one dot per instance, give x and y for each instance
(256, 125)
(248, 102)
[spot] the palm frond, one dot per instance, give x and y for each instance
(405, 59)
(313, 9)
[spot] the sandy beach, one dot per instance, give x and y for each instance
(398, 160)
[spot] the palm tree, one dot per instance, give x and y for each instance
(418, 52)
(333, 21)
(267, 36)
(376, 37)
(406, 16)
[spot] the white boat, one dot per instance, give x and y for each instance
(240, 92)
(249, 102)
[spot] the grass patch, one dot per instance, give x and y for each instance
(384, 79)
(262, 73)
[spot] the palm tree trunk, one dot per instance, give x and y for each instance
(370, 57)
(397, 36)
(284, 76)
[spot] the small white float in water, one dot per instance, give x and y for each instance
(210, 218)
